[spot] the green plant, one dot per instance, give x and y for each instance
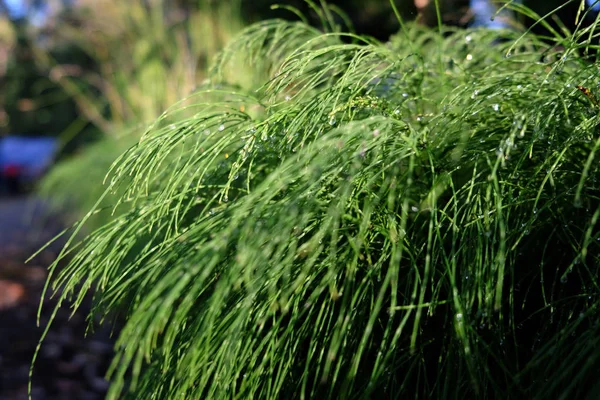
(416, 218)
(146, 56)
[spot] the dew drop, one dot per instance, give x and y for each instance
(332, 121)
(459, 317)
(221, 127)
(496, 107)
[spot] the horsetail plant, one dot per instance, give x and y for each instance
(414, 219)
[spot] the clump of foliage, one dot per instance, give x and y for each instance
(381, 220)
(145, 57)
(31, 103)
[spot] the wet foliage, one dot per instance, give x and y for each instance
(378, 220)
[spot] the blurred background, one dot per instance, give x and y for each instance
(78, 78)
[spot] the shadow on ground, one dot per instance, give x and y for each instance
(70, 365)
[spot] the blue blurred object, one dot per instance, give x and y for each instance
(593, 4)
(484, 14)
(25, 159)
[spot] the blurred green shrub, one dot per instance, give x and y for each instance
(145, 57)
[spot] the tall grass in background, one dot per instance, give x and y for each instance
(414, 219)
(147, 56)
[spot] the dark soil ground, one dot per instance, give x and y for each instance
(71, 365)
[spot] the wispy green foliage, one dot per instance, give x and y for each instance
(146, 56)
(410, 219)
